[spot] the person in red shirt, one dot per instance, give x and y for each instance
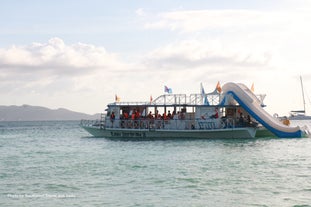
(215, 116)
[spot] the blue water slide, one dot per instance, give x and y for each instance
(248, 100)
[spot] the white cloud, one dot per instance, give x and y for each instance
(44, 63)
(57, 58)
(195, 53)
(85, 75)
(243, 36)
(44, 73)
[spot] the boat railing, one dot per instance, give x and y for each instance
(88, 123)
(172, 124)
(98, 123)
(166, 124)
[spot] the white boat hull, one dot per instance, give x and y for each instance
(113, 133)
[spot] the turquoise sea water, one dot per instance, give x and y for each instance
(59, 164)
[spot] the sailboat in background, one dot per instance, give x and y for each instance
(300, 114)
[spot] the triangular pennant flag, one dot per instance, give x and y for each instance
(218, 87)
(117, 98)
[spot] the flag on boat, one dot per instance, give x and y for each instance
(252, 88)
(167, 89)
(218, 87)
(151, 99)
(117, 98)
(204, 96)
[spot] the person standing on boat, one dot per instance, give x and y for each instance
(249, 120)
(158, 121)
(241, 119)
(150, 116)
(137, 114)
(125, 115)
(174, 115)
(164, 116)
(151, 121)
(112, 118)
(157, 115)
(169, 115)
(133, 116)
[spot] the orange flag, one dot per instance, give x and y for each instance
(252, 88)
(117, 98)
(218, 87)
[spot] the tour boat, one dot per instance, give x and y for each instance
(232, 111)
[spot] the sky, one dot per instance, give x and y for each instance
(78, 54)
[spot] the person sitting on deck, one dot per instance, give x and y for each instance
(286, 121)
(215, 116)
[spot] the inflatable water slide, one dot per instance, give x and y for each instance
(249, 101)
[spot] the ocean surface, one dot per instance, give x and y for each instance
(56, 163)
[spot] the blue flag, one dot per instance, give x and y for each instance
(167, 90)
(205, 101)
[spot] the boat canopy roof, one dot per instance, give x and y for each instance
(213, 99)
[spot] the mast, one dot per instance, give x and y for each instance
(303, 96)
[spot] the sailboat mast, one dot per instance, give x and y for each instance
(303, 96)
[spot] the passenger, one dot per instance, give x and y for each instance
(182, 115)
(112, 117)
(157, 115)
(137, 114)
(241, 119)
(125, 115)
(215, 116)
(133, 116)
(286, 121)
(248, 119)
(164, 117)
(169, 115)
(150, 116)
(174, 115)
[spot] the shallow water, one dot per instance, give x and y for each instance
(59, 164)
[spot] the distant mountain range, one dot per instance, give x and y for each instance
(39, 113)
